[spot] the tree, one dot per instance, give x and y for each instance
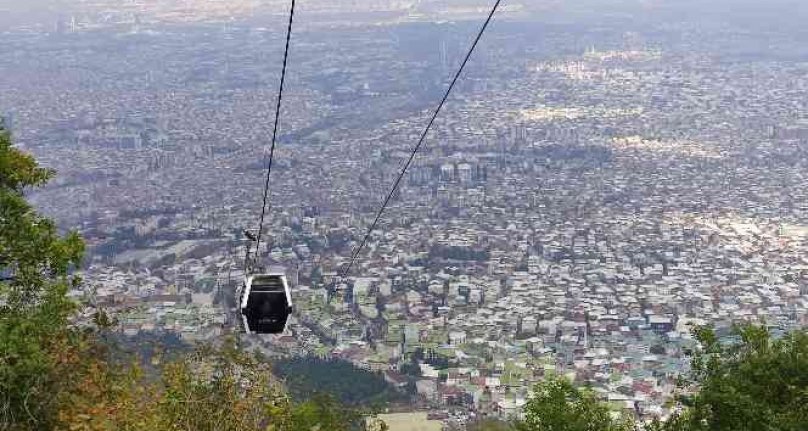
(222, 389)
(306, 377)
(212, 389)
(489, 425)
(556, 405)
(35, 268)
(411, 369)
(754, 383)
(323, 412)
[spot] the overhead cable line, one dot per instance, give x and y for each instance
(403, 172)
(264, 209)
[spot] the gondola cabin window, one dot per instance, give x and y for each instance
(266, 303)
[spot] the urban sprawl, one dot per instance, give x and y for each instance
(585, 200)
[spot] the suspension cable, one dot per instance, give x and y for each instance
(396, 184)
(264, 209)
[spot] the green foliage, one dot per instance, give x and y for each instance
(35, 264)
(145, 346)
(489, 425)
(309, 376)
(557, 405)
(223, 390)
(18, 170)
(212, 389)
(323, 412)
(411, 369)
(757, 383)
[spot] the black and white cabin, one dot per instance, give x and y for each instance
(265, 303)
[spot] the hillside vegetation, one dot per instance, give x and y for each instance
(306, 377)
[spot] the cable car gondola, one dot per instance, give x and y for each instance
(265, 303)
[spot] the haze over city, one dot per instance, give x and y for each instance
(605, 175)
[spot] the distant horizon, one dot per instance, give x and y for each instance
(45, 13)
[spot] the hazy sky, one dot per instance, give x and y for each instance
(45, 12)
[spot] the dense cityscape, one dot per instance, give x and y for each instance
(599, 184)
